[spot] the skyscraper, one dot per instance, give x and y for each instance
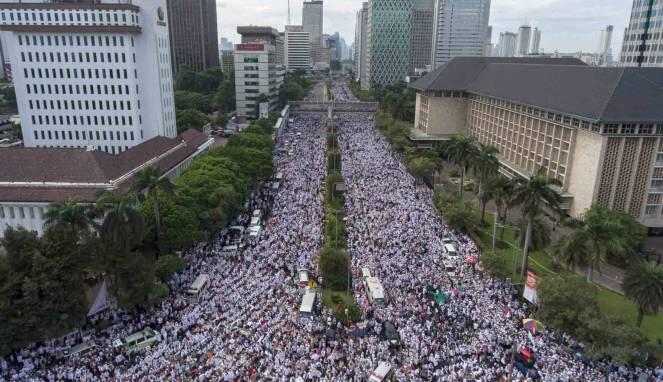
(536, 41)
(297, 48)
(389, 31)
(643, 37)
(312, 22)
(524, 40)
(459, 29)
(108, 86)
(361, 42)
(507, 44)
(267, 35)
(423, 13)
(193, 34)
(488, 45)
(605, 46)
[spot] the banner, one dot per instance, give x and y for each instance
(101, 302)
(530, 288)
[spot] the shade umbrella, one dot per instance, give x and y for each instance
(533, 325)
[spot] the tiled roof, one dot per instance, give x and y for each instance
(61, 174)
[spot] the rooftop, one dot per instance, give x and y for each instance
(50, 174)
(606, 95)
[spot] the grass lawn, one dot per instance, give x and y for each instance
(609, 301)
(329, 296)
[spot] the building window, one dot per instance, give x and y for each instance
(651, 210)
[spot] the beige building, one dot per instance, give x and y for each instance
(598, 130)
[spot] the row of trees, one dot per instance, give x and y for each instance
(295, 88)
(199, 94)
(397, 99)
(126, 239)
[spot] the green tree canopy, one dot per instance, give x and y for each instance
(643, 284)
(185, 100)
(191, 119)
(167, 266)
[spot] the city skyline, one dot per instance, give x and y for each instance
(568, 25)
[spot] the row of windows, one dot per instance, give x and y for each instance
(66, 120)
(57, 16)
(80, 57)
(79, 105)
(84, 135)
(74, 73)
(71, 40)
(12, 212)
(76, 89)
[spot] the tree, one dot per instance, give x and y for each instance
(185, 100)
(190, 119)
(461, 151)
(122, 225)
(421, 168)
(563, 300)
(643, 284)
(540, 234)
(71, 214)
(486, 165)
(531, 195)
(611, 336)
(598, 231)
(179, 225)
(252, 140)
(290, 91)
(17, 131)
(500, 189)
(150, 182)
(458, 214)
(495, 265)
(334, 265)
(256, 164)
(224, 98)
(167, 266)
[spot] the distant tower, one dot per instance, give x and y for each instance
(536, 41)
(524, 38)
(605, 46)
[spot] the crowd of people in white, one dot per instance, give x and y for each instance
(245, 325)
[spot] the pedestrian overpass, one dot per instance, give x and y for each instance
(330, 108)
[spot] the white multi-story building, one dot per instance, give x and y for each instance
(535, 46)
(361, 42)
(605, 46)
(507, 44)
(297, 48)
(256, 73)
(643, 37)
(90, 74)
(524, 40)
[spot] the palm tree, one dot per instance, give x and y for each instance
(69, 214)
(149, 181)
(643, 284)
(570, 252)
(122, 224)
(500, 189)
(531, 195)
(596, 233)
(461, 151)
(420, 167)
(485, 165)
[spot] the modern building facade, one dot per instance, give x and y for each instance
(597, 130)
(193, 34)
(524, 40)
(535, 46)
(33, 178)
(643, 37)
(264, 35)
(389, 51)
(361, 42)
(312, 22)
(423, 13)
(507, 44)
(256, 73)
(228, 61)
(605, 46)
(488, 45)
(297, 47)
(91, 74)
(460, 29)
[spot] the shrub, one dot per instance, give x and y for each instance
(167, 266)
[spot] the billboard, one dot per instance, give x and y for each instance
(531, 281)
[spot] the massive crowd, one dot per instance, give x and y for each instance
(245, 326)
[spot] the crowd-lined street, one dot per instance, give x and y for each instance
(246, 326)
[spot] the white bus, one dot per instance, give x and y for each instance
(374, 291)
(365, 273)
(308, 302)
(200, 284)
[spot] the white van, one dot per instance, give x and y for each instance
(143, 339)
(257, 214)
(365, 273)
(374, 291)
(450, 249)
(200, 284)
(255, 231)
(449, 266)
(302, 279)
(81, 349)
(383, 373)
(308, 303)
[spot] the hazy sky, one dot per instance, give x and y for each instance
(566, 25)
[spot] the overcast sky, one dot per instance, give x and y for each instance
(566, 25)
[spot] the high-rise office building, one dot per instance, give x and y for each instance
(91, 74)
(460, 29)
(488, 45)
(423, 12)
(361, 42)
(535, 46)
(297, 46)
(267, 35)
(228, 61)
(507, 44)
(193, 34)
(256, 73)
(643, 37)
(389, 31)
(524, 40)
(605, 46)
(312, 22)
